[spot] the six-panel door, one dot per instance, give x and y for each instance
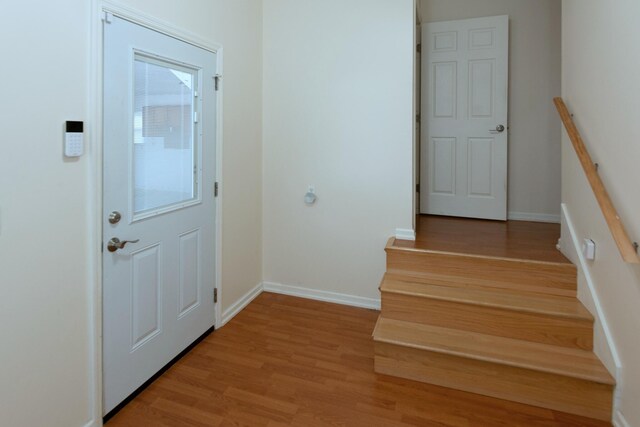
(464, 135)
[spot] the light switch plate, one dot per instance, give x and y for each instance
(589, 249)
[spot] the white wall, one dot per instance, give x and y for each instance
(601, 88)
(338, 89)
(534, 135)
(44, 279)
(45, 201)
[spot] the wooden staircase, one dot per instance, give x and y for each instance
(507, 328)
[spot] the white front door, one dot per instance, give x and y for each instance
(159, 157)
(464, 136)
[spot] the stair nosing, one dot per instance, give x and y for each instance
(588, 318)
(609, 380)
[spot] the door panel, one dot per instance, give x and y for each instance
(190, 279)
(465, 94)
(444, 165)
(159, 157)
(481, 78)
(445, 90)
(480, 167)
(445, 41)
(146, 293)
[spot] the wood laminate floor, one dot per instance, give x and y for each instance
(510, 239)
(286, 361)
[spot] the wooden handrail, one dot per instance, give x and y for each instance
(628, 249)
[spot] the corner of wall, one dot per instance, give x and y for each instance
(405, 234)
(239, 305)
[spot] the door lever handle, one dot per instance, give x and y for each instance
(498, 129)
(114, 244)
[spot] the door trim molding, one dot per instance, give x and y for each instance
(138, 17)
(95, 159)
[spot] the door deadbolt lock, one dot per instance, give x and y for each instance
(114, 217)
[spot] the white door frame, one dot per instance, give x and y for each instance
(95, 189)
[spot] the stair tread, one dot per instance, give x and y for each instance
(408, 246)
(564, 361)
(465, 291)
(520, 274)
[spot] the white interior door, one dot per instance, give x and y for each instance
(464, 136)
(159, 157)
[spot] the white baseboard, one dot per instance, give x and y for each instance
(405, 234)
(619, 420)
(314, 294)
(239, 305)
(295, 291)
(599, 311)
(534, 217)
(584, 267)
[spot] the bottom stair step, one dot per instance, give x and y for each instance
(567, 380)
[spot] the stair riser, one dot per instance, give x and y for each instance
(541, 389)
(545, 329)
(546, 278)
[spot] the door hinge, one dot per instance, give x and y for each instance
(216, 79)
(418, 118)
(107, 17)
(417, 188)
(215, 190)
(215, 295)
(419, 47)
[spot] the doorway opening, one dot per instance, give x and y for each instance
(463, 118)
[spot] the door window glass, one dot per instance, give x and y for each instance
(164, 154)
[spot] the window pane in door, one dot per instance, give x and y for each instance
(164, 161)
